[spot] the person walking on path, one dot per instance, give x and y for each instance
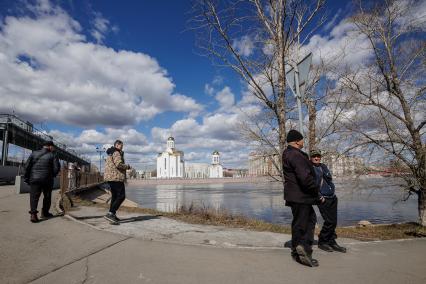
(300, 193)
(328, 209)
(115, 175)
(41, 168)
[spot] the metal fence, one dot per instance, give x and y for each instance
(74, 180)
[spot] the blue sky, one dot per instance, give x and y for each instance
(89, 72)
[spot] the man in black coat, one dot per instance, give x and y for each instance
(40, 169)
(300, 193)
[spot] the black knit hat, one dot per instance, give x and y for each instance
(294, 135)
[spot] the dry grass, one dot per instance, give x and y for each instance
(383, 232)
(208, 216)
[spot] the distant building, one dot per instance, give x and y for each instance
(197, 170)
(204, 170)
(171, 163)
(341, 165)
(215, 169)
(235, 173)
(263, 165)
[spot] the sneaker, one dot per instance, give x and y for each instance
(46, 215)
(112, 219)
(335, 247)
(325, 247)
(304, 258)
(34, 218)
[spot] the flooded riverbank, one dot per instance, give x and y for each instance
(373, 199)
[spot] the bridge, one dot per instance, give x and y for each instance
(22, 133)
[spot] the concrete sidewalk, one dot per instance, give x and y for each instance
(60, 250)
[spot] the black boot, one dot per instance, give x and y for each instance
(46, 215)
(34, 218)
(336, 247)
(325, 247)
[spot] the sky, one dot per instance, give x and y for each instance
(90, 72)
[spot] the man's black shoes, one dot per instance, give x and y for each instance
(338, 248)
(325, 247)
(46, 215)
(112, 219)
(330, 247)
(34, 218)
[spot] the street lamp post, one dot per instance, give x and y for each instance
(100, 151)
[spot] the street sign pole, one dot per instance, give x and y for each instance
(298, 98)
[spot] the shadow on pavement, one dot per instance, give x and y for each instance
(124, 220)
(47, 219)
(140, 218)
(88, 217)
(288, 244)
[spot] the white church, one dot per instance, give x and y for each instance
(171, 164)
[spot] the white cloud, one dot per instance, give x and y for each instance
(217, 80)
(208, 90)
(332, 22)
(412, 15)
(244, 45)
(343, 46)
(139, 151)
(100, 27)
(226, 98)
(50, 72)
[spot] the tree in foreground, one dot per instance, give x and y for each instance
(384, 98)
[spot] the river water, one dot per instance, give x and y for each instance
(377, 200)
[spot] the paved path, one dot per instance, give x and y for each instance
(63, 251)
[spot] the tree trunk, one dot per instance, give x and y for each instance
(281, 103)
(422, 206)
(312, 113)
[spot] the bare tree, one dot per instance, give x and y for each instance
(385, 103)
(256, 39)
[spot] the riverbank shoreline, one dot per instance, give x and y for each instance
(206, 216)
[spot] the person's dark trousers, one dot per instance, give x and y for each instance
(303, 226)
(35, 192)
(118, 195)
(328, 212)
